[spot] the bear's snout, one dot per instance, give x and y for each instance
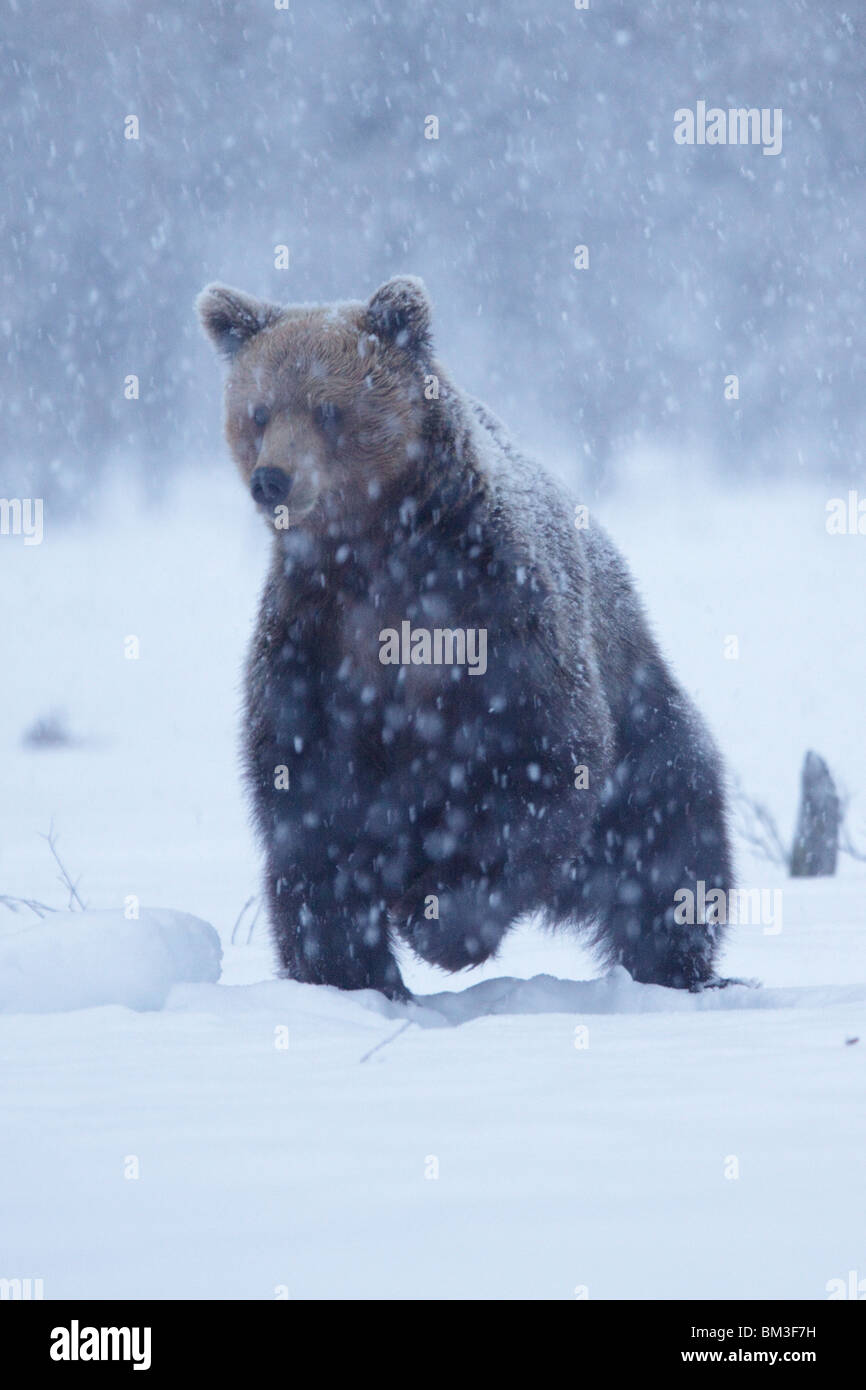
(269, 486)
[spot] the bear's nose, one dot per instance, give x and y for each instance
(269, 486)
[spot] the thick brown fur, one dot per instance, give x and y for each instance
(422, 799)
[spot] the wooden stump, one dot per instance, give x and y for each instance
(816, 841)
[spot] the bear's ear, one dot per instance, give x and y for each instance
(399, 312)
(230, 318)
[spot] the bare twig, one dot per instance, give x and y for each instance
(63, 876)
(759, 829)
(240, 917)
(847, 846)
(255, 919)
(386, 1041)
(16, 904)
(846, 839)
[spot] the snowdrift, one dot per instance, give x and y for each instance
(77, 960)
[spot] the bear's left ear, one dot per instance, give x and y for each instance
(230, 318)
(399, 312)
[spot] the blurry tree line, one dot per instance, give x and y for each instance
(305, 127)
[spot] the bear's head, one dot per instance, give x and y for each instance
(324, 403)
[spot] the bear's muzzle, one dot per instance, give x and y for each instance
(270, 486)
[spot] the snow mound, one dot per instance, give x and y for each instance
(614, 993)
(78, 960)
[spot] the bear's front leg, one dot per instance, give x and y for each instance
(658, 951)
(327, 934)
(457, 924)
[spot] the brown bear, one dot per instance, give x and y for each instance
(455, 711)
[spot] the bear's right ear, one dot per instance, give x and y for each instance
(230, 318)
(399, 312)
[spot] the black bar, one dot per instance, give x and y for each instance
(225, 1337)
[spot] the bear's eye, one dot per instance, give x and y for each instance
(261, 415)
(328, 417)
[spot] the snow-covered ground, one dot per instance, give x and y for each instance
(528, 1130)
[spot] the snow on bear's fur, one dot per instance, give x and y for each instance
(455, 710)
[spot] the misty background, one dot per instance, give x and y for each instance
(305, 128)
(122, 640)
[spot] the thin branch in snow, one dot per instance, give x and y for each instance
(386, 1041)
(240, 917)
(847, 846)
(15, 904)
(759, 829)
(63, 876)
(846, 839)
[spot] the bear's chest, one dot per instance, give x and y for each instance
(433, 660)
(410, 651)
